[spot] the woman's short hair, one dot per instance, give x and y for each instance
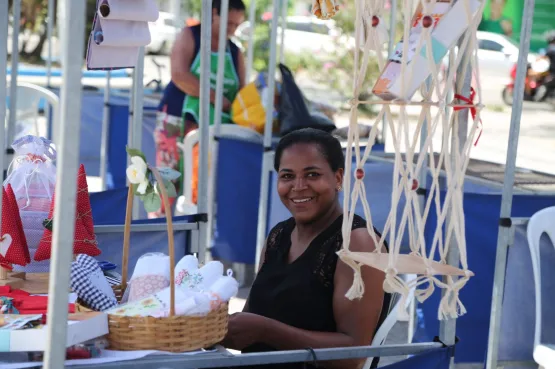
(328, 145)
(238, 5)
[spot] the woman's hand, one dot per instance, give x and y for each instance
(244, 329)
(226, 105)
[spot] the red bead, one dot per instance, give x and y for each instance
(375, 21)
(427, 21)
(359, 173)
(414, 184)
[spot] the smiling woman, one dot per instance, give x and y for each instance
(298, 298)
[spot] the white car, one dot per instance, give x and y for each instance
(162, 33)
(497, 54)
(306, 35)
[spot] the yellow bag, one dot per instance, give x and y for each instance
(247, 109)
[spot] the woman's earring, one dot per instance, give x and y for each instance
(338, 188)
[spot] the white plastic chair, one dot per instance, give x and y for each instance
(541, 222)
(226, 131)
(390, 320)
(29, 97)
(544, 355)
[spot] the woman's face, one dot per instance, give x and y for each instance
(234, 19)
(306, 184)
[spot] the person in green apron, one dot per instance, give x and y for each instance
(179, 108)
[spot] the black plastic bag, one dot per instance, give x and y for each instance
(293, 113)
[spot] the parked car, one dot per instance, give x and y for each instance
(497, 54)
(163, 33)
(306, 35)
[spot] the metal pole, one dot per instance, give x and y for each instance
(104, 134)
(66, 186)
(222, 49)
(250, 50)
(16, 8)
(4, 20)
(422, 183)
(222, 45)
(175, 9)
(130, 142)
(448, 327)
(137, 119)
(284, 8)
(268, 153)
(49, 31)
(503, 237)
(204, 122)
(390, 46)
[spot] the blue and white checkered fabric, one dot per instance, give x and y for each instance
(90, 284)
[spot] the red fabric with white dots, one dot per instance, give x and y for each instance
(18, 252)
(84, 238)
(15, 208)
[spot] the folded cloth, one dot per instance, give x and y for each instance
(123, 33)
(25, 303)
(108, 57)
(89, 283)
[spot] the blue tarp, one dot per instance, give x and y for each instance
(482, 219)
(238, 192)
(91, 128)
(108, 208)
(37, 71)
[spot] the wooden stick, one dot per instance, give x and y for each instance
(126, 238)
(171, 251)
(3, 273)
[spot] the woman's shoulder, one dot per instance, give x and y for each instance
(277, 231)
(360, 235)
(358, 222)
(361, 239)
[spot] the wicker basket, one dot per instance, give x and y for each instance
(173, 333)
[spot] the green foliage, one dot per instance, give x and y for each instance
(151, 195)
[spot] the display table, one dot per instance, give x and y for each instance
(220, 357)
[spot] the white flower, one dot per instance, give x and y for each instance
(136, 172)
(142, 187)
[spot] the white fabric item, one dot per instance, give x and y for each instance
(405, 139)
(225, 287)
(107, 57)
(188, 262)
(122, 33)
(152, 263)
(135, 10)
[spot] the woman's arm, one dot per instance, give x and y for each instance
(181, 60)
(356, 320)
(241, 69)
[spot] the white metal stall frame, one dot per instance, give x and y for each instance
(68, 144)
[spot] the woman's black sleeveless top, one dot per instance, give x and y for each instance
(300, 294)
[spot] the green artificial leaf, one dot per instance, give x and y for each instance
(170, 189)
(135, 152)
(169, 174)
(47, 223)
(151, 202)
